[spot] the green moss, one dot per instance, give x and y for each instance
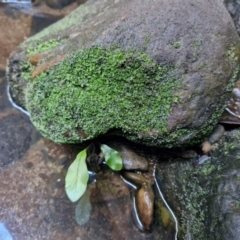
(96, 90)
(193, 214)
(43, 46)
(233, 53)
(200, 186)
(109, 89)
(195, 186)
(189, 136)
(183, 136)
(176, 44)
(26, 70)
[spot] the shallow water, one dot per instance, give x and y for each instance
(33, 203)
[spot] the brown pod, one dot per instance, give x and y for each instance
(145, 205)
(135, 178)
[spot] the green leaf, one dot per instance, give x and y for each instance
(112, 158)
(77, 177)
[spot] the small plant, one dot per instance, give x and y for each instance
(77, 175)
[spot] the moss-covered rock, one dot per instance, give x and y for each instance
(137, 69)
(204, 194)
(107, 89)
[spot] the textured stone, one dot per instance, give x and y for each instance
(156, 72)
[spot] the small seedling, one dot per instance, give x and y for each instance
(77, 175)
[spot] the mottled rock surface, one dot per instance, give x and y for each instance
(34, 204)
(205, 196)
(156, 72)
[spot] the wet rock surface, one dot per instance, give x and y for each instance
(185, 114)
(16, 135)
(33, 205)
(131, 160)
(205, 196)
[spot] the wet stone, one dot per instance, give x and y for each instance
(131, 159)
(44, 211)
(16, 136)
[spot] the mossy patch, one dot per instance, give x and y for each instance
(192, 190)
(177, 44)
(39, 47)
(96, 90)
(26, 70)
(197, 189)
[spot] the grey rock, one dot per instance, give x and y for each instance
(196, 40)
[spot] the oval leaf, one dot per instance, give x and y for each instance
(77, 177)
(112, 158)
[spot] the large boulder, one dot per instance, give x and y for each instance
(158, 72)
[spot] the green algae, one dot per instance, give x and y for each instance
(97, 90)
(196, 189)
(192, 191)
(43, 47)
(26, 70)
(176, 44)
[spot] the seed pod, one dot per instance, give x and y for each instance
(145, 205)
(135, 178)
